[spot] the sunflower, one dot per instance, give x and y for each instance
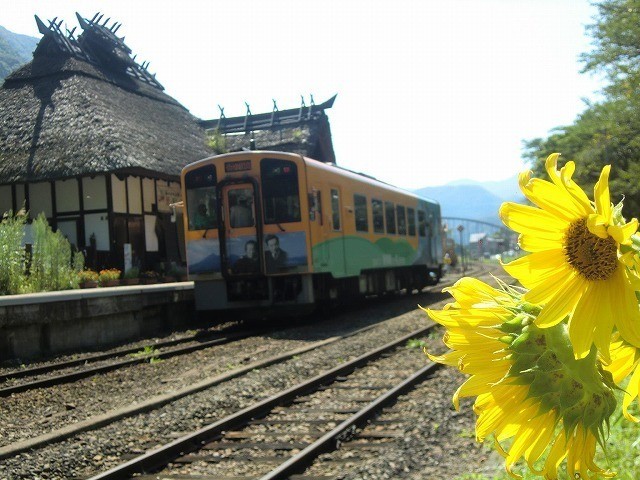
(532, 393)
(625, 361)
(575, 267)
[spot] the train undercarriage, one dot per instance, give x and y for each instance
(256, 295)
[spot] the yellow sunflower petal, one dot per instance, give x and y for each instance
(533, 243)
(556, 200)
(551, 166)
(524, 218)
(560, 298)
(597, 225)
(631, 393)
(582, 323)
(627, 314)
(601, 194)
(554, 294)
(622, 233)
(536, 268)
(624, 358)
(572, 187)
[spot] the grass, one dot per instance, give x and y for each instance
(148, 350)
(415, 343)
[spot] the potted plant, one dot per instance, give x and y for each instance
(109, 277)
(149, 277)
(131, 276)
(88, 278)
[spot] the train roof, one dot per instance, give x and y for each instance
(318, 164)
(372, 179)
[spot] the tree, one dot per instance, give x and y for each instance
(616, 40)
(607, 132)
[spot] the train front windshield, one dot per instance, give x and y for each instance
(281, 198)
(200, 185)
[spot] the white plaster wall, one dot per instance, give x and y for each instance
(118, 193)
(40, 199)
(67, 196)
(95, 193)
(135, 194)
(148, 194)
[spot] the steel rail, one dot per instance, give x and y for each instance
(331, 440)
(73, 376)
(161, 456)
(39, 370)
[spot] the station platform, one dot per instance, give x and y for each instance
(43, 324)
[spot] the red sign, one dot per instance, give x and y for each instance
(240, 166)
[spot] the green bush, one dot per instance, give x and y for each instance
(12, 256)
(51, 263)
(49, 266)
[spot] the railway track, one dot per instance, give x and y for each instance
(58, 373)
(79, 429)
(292, 427)
(82, 367)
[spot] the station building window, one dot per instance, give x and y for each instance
(362, 220)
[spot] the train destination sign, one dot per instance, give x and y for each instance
(240, 166)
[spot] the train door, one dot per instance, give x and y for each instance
(335, 233)
(239, 230)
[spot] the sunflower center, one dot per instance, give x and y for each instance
(593, 257)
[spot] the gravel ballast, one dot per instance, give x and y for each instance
(436, 441)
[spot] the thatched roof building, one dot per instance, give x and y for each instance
(89, 137)
(72, 112)
(304, 130)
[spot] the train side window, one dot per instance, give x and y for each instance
(402, 220)
(411, 221)
(335, 208)
(280, 195)
(390, 215)
(422, 223)
(315, 205)
(378, 216)
(362, 220)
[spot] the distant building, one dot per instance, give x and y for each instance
(88, 137)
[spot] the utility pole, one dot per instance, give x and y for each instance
(460, 229)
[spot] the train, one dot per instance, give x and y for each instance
(276, 229)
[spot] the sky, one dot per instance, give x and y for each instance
(429, 92)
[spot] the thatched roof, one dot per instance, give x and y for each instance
(304, 130)
(63, 116)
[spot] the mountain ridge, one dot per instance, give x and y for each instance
(15, 50)
(473, 199)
